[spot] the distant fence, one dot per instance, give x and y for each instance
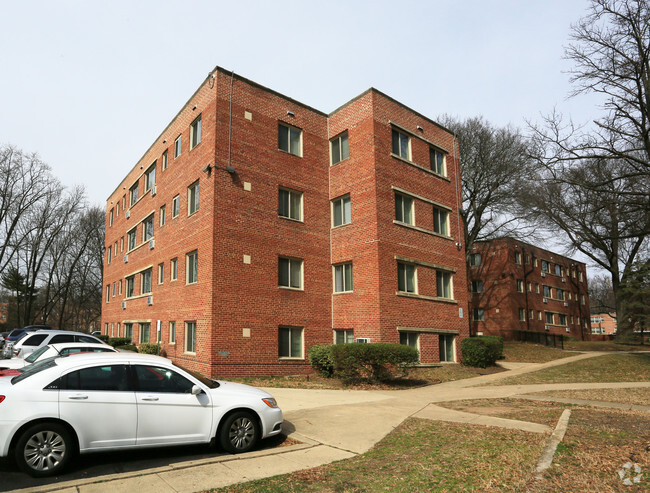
(552, 340)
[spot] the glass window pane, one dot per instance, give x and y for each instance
(348, 277)
(347, 211)
(295, 205)
(283, 272)
(283, 138)
(295, 267)
(401, 277)
(345, 150)
(296, 343)
(338, 278)
(395, 142)
(336, 151)
(283, 342)
(338, 213)
(283, 203)
(404, 146)
(295, 141)
(410, 279)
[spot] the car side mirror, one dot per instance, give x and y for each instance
(196, 390)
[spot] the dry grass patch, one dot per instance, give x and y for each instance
(417, 377)
(637, 396)
(423, 456)
(608, 368)
(576, 345)
(522, 352)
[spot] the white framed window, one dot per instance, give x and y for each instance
(110, 218)
(132, 236)
(163, 214)
(477, 286)
(343, 278)
(446, 347)
(530, 287)
(192, 267)
(401, 144)
(406, 278)
(145, 281)
(117, 210)
(190, 337)
(441, 221)
(110, 254)
(130, 286)
(108, 293)
(539, 316)
(193, 198)
(195, 132)
(159, 332)
(128, 330)
(290, 273)
(122, 244)
(150, 177)
(175, 202)
(522, 315)
(437, 159)
(177, 146)
(173, 269)
(549, 318)
(290, 342)
(520, 286)
(133, 193)
(119, 288)
(558, 270)
(172, 332)
(161, 273)
(339, 148)
(145, 329)
(560, 294)
(165, 160)
(289, 139)
(343, 336)
(341, 211)
(478, 314)
(410, 339)
(475, 259)
(444, 284)
(147, 228)
(290, 204)
(547, 291)
(518, 258)
(404, 209)
(531, 314)
(114, 287)
(562, 318)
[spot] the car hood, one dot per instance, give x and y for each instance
(239, 388)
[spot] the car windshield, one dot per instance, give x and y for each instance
(208, 382)
(30, 370)
(36, 354)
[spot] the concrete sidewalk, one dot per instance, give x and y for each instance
(331, 425)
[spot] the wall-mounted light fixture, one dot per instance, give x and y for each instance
(209, 167)
(420, 128)
(194, 107)
(290, 113)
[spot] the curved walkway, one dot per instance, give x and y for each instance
(334, 425)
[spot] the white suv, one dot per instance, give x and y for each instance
(34, 340)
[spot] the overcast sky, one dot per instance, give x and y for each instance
(90, 84)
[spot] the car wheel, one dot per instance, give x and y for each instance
(44, 449)
(240, 432)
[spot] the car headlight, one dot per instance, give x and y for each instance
(270, 401)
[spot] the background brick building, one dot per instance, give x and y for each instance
(516, 286)
(256, 226)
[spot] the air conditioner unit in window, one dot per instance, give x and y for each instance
(149, 300)
(568, 329)
(543, 274)
(545, 300)
(124, 305)
(127, 214)
(547, 327)
(564, 279)
(153, 190)
(363, 339)
(566, 304)
(126, 258)
(152, 243)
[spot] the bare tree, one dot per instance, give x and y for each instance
(494, 163)
(601, 294)
(595, 183)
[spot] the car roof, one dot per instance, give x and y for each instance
(108, 357)
(56, 331)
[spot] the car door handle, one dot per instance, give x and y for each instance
(78, 397)
(150, 398)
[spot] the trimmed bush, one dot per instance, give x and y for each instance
(120, 341)
(320, 357)
(149, 348)
(481, 351)
(373, 362)
(127, 347)
(102, 337)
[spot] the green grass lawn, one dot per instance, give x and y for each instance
(608, 368)
(422, 456)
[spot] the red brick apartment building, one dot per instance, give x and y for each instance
(517, 286)
(603, 323)
(255, 227)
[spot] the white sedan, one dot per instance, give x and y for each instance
(53, 350)
(110, 401)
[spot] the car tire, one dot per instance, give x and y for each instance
(44, 449)
(240, 432)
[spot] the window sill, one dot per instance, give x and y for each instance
(137, 297)
(191, 283)
(420, 167)
(422, 230)
(291, 358)
(341, 225)
(290, 153)
(335, 293)
(288, 288)
(426, 298)
(291, 219)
